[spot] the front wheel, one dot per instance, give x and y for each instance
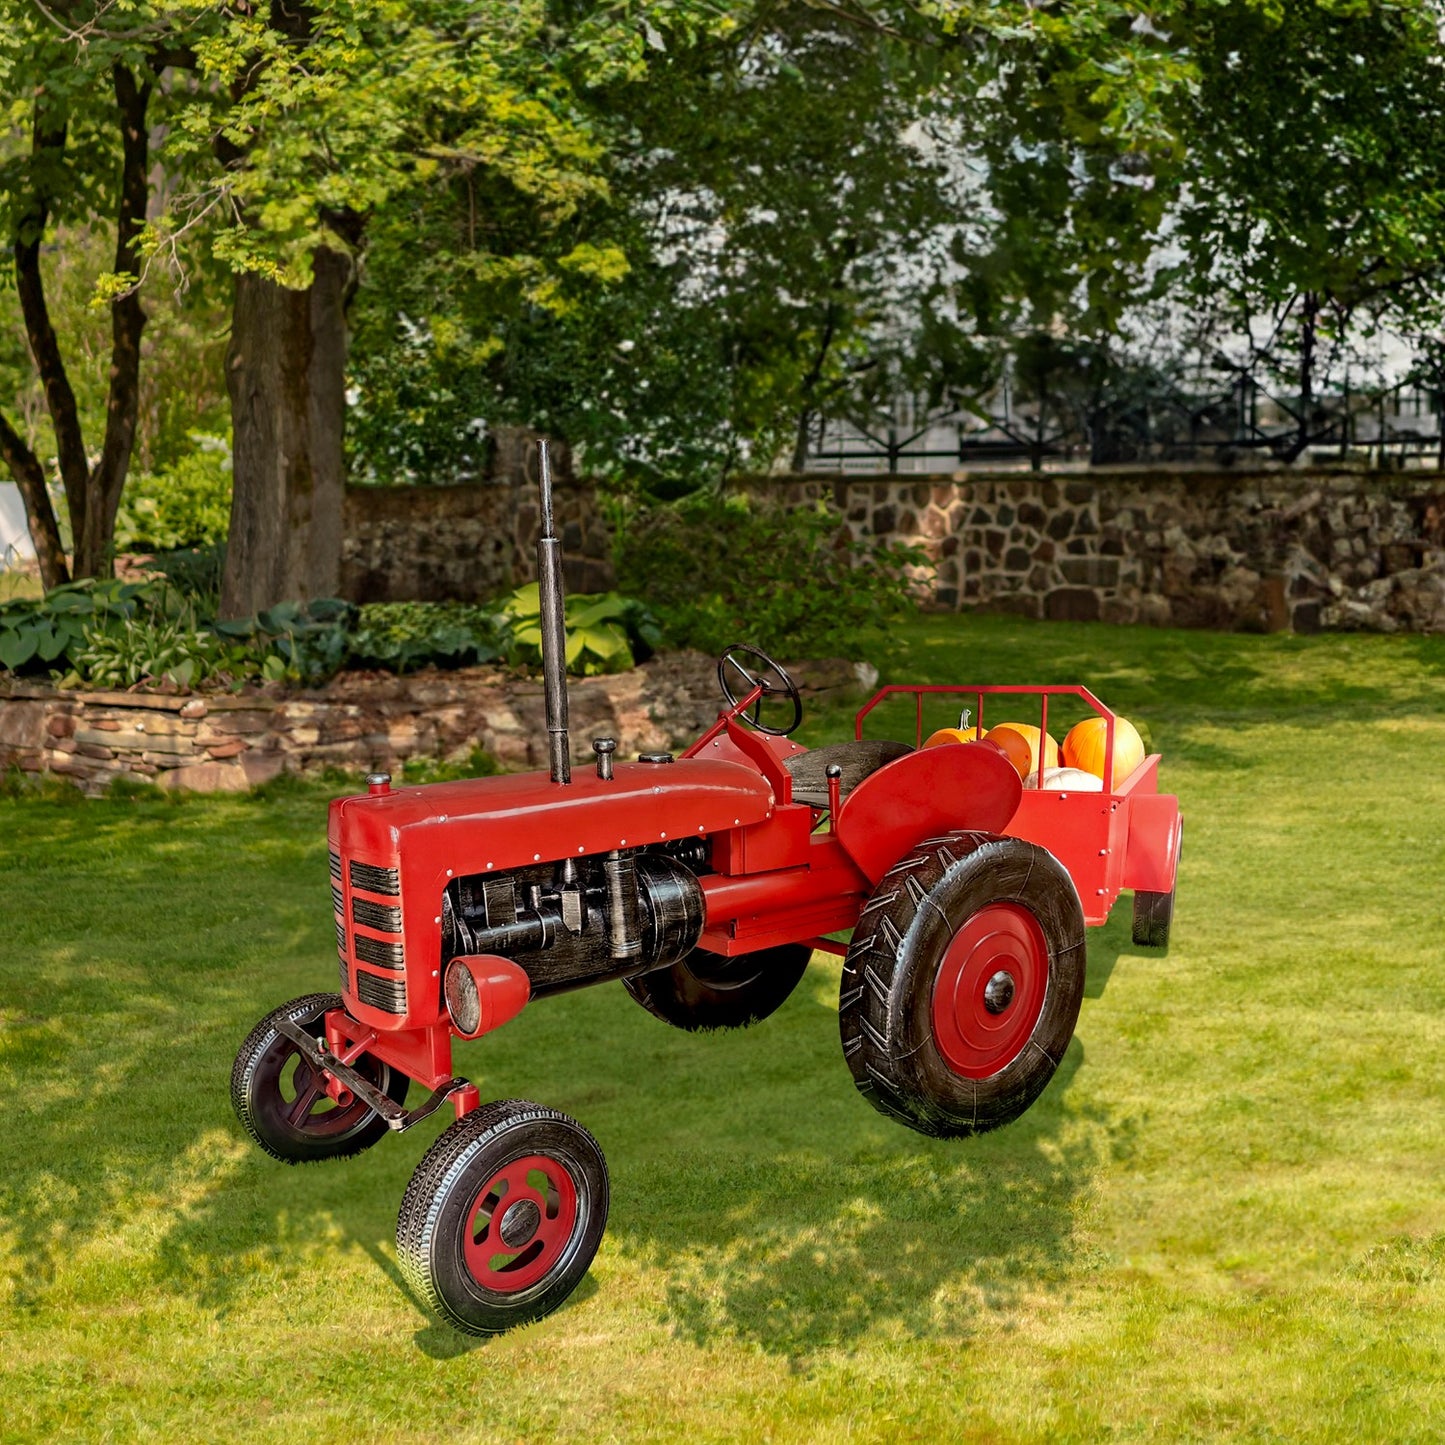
(282, 1102)
(503, 1216)
(963, 983)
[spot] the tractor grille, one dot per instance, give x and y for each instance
(386, 994)
(376, 880)
(373, 950)
(341, 935)
(335, 860)
(345, 974)
(385, 917)
(336, 902)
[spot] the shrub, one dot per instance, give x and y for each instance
(124, 652)
(605, 632)
(118, 635)
(402, 636)
(794, 583)
(187, 504)
(302, 640)
(39, 632)
(194, 572)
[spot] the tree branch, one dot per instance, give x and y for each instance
(30, 478)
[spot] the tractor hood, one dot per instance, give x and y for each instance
(523, 818)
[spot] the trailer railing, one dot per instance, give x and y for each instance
(978, 692)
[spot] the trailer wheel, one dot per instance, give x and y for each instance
(1154, 912)
(963, 983)
(281, 1103)
(708, 991)
(1153, 915)
(503, 1216)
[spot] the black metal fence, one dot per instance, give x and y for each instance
(1388, 427)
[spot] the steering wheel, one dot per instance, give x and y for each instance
(757, 669)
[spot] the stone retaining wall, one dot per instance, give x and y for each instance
(362, 721)
(465, 544)
(1269, 550)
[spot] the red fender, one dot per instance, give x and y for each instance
(1151, 855)
(923, 794)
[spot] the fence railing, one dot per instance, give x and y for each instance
(1398, 426)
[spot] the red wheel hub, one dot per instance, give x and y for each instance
(520, 1223)
(990, 990)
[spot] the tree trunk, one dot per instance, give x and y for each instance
(1309, 330)
(95, 541)
(91, 494)
(286, 374)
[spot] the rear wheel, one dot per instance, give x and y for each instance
(1154, 912)
(963, 983)
(708, 991)
(1153, 917)
(503, 1216)
(282, 1102)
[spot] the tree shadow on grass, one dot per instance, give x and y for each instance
(799, 1252)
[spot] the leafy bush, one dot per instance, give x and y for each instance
(795, 583)
(605, 632)
(38, 632)
(303, 640)
(194, 572)
(118, 635)
(187, 504)
(176, 648)
(402, 636)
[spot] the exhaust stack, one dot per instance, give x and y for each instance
(554, 633)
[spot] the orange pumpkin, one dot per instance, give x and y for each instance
(952, 735)
(1084, 748)
(1021, 742)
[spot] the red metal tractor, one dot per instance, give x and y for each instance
(704, 883)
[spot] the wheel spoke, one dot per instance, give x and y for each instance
(749, 680)
(300, 1111)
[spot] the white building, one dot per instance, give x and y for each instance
(15, 543)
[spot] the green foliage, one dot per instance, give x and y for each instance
(605, 632)
(120, 634)
(721, 570)
(156, 647)
(38, 633)
(194, 572)
(184, 505)
(305, 641)
(402, 636)
(478, 763)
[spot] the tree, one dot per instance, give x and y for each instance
(347, 117)
(1315, 187)
(79, 147)
(784, 195)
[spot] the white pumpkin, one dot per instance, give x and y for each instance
(1067, 780)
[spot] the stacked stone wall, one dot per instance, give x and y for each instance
(1271, 550)
(362, 721)
(467, 543)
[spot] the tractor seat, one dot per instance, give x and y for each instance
(857, 759)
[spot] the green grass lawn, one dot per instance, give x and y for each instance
(1224, 1219)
